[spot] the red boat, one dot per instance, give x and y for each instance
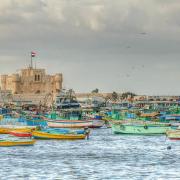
(21, 134)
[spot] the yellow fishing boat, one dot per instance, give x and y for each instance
(6, 129)
(17, 142)
(45, 135)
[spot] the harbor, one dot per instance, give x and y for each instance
(129, 138)
(91, 135)
(89, 90)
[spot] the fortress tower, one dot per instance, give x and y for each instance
(32, 81)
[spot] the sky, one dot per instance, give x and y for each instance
(112, 45)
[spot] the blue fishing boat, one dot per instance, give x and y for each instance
(63, 131)
(35, 120)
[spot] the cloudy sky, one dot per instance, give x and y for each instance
(113, 45)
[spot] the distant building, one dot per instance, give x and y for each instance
(31, 81)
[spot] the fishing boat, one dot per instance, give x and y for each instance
(175, 117)
(18, 133)
(76, 123)
(64, 131)
(6, 129)
(70, 124)
(97, 123)
(35, 120)
(16, 142)
(140, 128)
(60, 136)
(66, 99)
(173, 134)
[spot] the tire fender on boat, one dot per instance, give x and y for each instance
(122, 127)
(145, 127)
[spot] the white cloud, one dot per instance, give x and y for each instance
(55, 10)
(97, 15)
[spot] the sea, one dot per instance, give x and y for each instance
(104, 156)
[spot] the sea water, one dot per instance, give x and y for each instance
(104, 156)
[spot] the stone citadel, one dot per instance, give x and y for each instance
(31, 82)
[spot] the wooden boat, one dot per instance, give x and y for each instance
(173, 134)
(175, 117)
(97, 123)
(46, 135)
(64, 131)
(153, 114)
(17, 142)
(70, 124)
(35, 120)
(6, 129)
(140, 128)
(92, 123)
(18, 133)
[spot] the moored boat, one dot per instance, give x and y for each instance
(70, 124)
(6, 129)
(36, 120)
(60, 136)
(18, 133)
(91, 123)
(64, 131)
(97, 123)
(16, 142)
(140, 128)
(173, 134)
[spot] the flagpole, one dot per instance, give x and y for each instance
(33, 54)
(31, 61)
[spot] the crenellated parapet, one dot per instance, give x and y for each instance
(15, 78)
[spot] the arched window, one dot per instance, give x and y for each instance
(38, 92)
(38, 77)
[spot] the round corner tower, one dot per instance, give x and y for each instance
(15, 83)
(58, 82)
(3, 82)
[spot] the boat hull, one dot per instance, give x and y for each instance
(173, 135)
(6, 143)
(44, 135)
(7, 129)
(76, 124)
(69, 124)
(97, 124)
(21, 134)
(139, 129)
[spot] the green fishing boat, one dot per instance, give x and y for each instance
(140, 128)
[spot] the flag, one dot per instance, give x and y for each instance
(33, 54)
